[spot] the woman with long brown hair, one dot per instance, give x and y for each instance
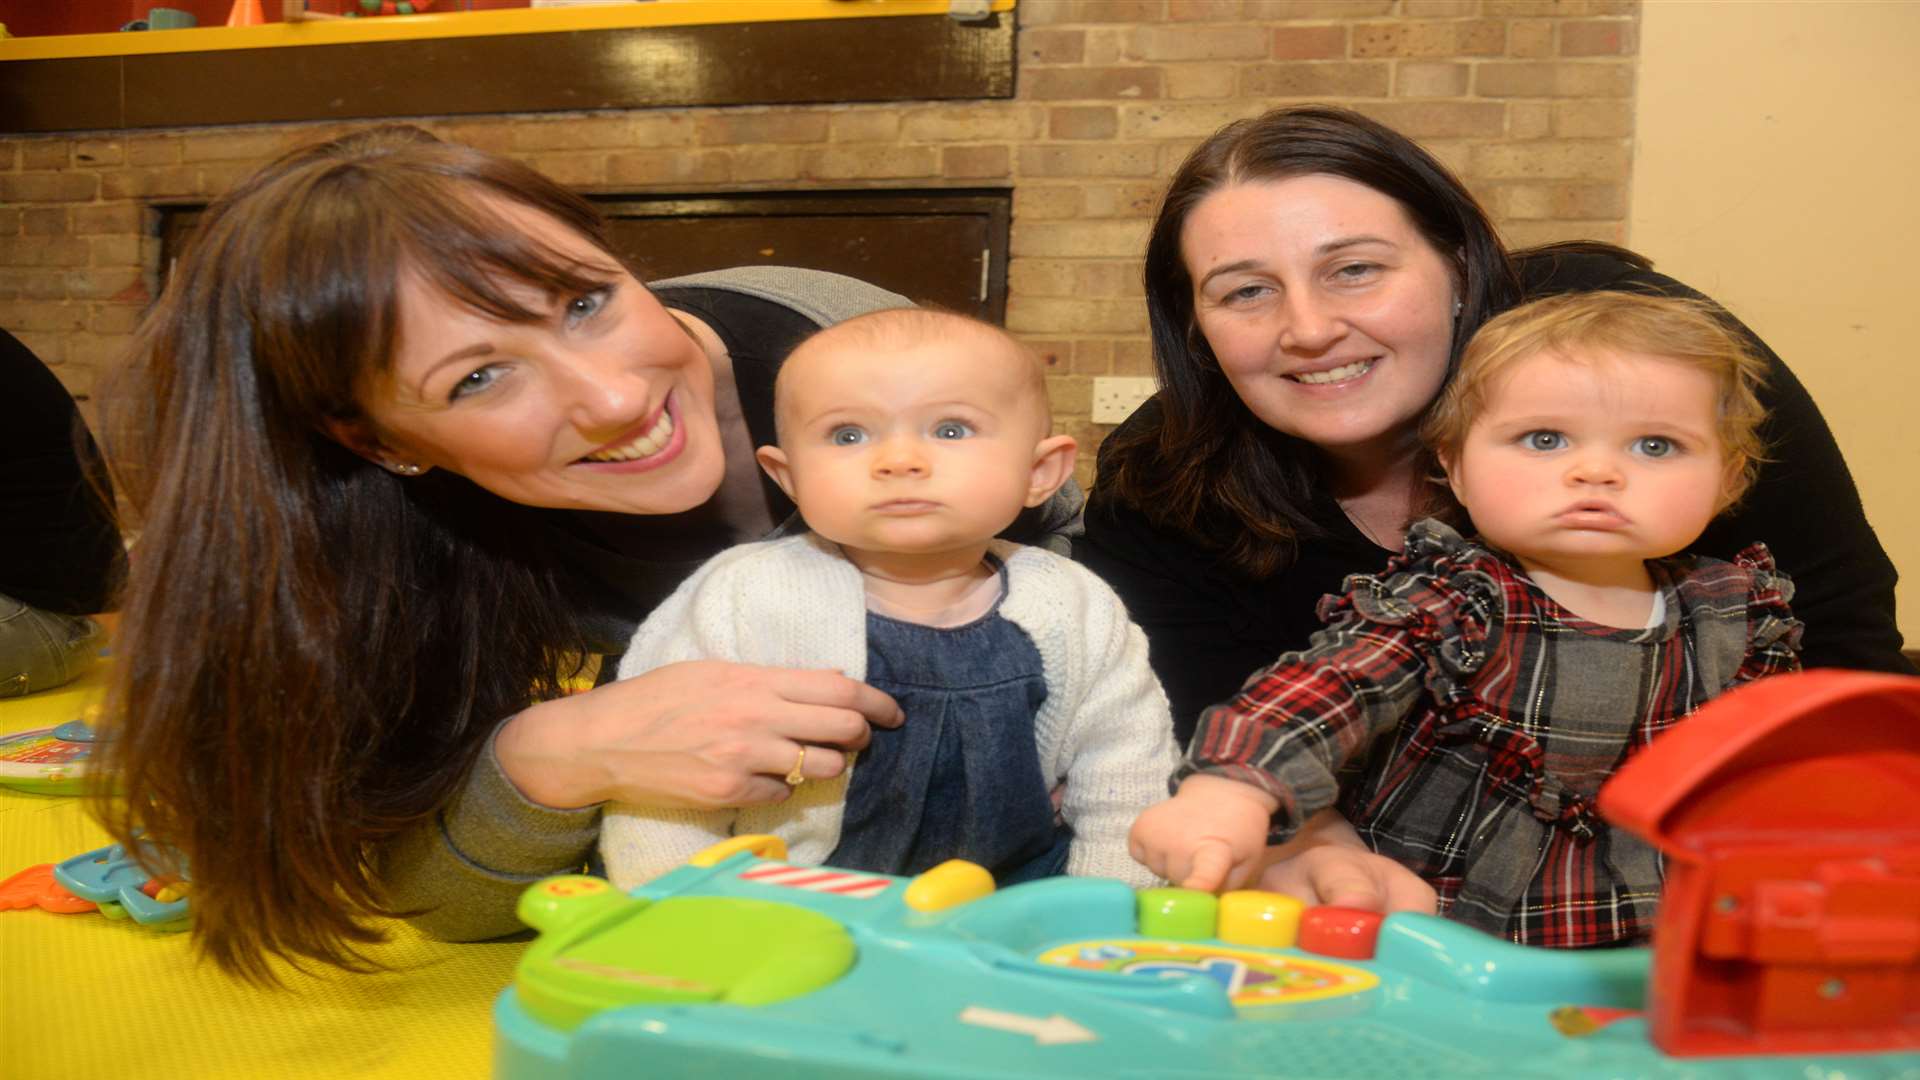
(405, 440)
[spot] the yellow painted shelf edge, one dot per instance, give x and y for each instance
(456, 24)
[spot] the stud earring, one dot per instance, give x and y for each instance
(405, 468)
(1458, 306)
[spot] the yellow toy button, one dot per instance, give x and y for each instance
(952, 883)
(1253, 917)
(766, 847)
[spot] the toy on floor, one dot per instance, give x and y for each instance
(1791, 929)
(106, 880)
(48, 761)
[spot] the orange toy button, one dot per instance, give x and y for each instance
(1348, 933)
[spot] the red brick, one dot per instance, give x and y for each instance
(1423, 120)
(109, 283)
(668, 167)
(1157, 43)
(1186, 122)
(1082, 122)
(1418, 78)
(1480, 37)
(872, 163)
(1091, 83)
(1610, 37)
(975, 162)
(1103, 160)
(1055, 12)
(46, 153)
(1309, 43)
(96, 152)
(53, 318)
(1567, 79)
(1531, 38)
(48, 187)
(45, 221)
(1276, 10)
(114, 318)
(1203, 10)
(734, 128)
(1080, 239)
(1045, 202)
(972, 123)
(44, 251)
(1048, 46)
(1302, 79)
(1123, 200)
(762, 164)
(1185, 82)
(1588, 160)
(250, 146)
(581, 169)
(865, 125)
(125, 217)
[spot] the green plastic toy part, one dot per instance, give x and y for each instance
(683, 950)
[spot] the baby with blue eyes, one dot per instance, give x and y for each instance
(1035, 731)
(1440, 744)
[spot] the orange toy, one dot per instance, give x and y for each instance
(246, 13)
(1789, 812)
(35, 887)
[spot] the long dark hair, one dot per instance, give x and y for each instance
(313, 650)
(1209, 459)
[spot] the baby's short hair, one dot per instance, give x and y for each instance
(901, 327)
(1685, 331)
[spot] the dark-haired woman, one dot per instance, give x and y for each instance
(406, 440)
(1310, 279)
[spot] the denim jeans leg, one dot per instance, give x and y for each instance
(42, 649)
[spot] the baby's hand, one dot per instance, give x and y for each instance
(1341, 876)
(1210, 835)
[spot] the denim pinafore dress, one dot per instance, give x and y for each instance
(961, 778)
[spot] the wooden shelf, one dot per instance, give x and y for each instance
(662, 53)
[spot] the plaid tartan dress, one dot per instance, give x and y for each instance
(1464, 722)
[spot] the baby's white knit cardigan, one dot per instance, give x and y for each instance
(1105, 728)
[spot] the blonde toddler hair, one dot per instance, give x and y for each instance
(1573, 325)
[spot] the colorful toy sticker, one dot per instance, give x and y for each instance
(44, 760)
(1250, 978)
(818, 879)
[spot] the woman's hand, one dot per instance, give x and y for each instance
(1209, 836)
(702, 734)
(1328, 863)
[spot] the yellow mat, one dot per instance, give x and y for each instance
(83, 997)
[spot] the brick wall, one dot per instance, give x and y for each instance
(1531, 101)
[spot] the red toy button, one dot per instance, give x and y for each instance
(1347, 933)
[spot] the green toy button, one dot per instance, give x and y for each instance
(1180, 914)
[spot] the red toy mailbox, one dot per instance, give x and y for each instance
(1789, 813)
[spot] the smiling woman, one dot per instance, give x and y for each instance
(1311, 278)
(405, 440)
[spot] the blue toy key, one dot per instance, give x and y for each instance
(109, 876)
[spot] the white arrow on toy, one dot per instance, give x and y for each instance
(1046, 1032)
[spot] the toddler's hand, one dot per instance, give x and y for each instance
(1210, 835)
(1342, 876)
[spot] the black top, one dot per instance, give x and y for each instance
(1209, 626)
(59, 548)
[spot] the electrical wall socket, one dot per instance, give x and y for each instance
(1115, 397)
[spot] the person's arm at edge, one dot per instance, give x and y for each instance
(461, 872)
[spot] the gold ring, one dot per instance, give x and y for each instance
(794, 776)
